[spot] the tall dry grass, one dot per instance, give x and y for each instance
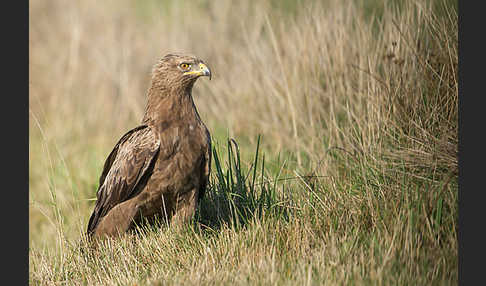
(361, 96)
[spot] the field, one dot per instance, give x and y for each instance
(334, 127)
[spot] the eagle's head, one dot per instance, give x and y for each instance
(178, 71)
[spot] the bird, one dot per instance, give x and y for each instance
(161, 168)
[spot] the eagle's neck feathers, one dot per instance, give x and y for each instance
(170, 105)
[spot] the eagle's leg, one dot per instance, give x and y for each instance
(154, 207)
(185, 207)
(118, 220)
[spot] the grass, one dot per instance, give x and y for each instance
(334, 128)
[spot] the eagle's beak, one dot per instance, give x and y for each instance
(205, 70)
(202, 71)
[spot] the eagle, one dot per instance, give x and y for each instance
(161, 167)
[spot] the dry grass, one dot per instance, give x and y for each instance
(356, 104)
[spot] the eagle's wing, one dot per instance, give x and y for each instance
(130, 162)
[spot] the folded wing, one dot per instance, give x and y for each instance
(125, 171)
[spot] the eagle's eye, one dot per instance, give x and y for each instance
(185, 66)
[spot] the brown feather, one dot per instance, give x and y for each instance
(124, 168)
(162, 167)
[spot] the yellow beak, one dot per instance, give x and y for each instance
(202, 71)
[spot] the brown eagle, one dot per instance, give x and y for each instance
(160, 168)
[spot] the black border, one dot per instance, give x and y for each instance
(471, 122)
(15, 141)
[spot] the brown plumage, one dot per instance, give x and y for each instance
(160, 168)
